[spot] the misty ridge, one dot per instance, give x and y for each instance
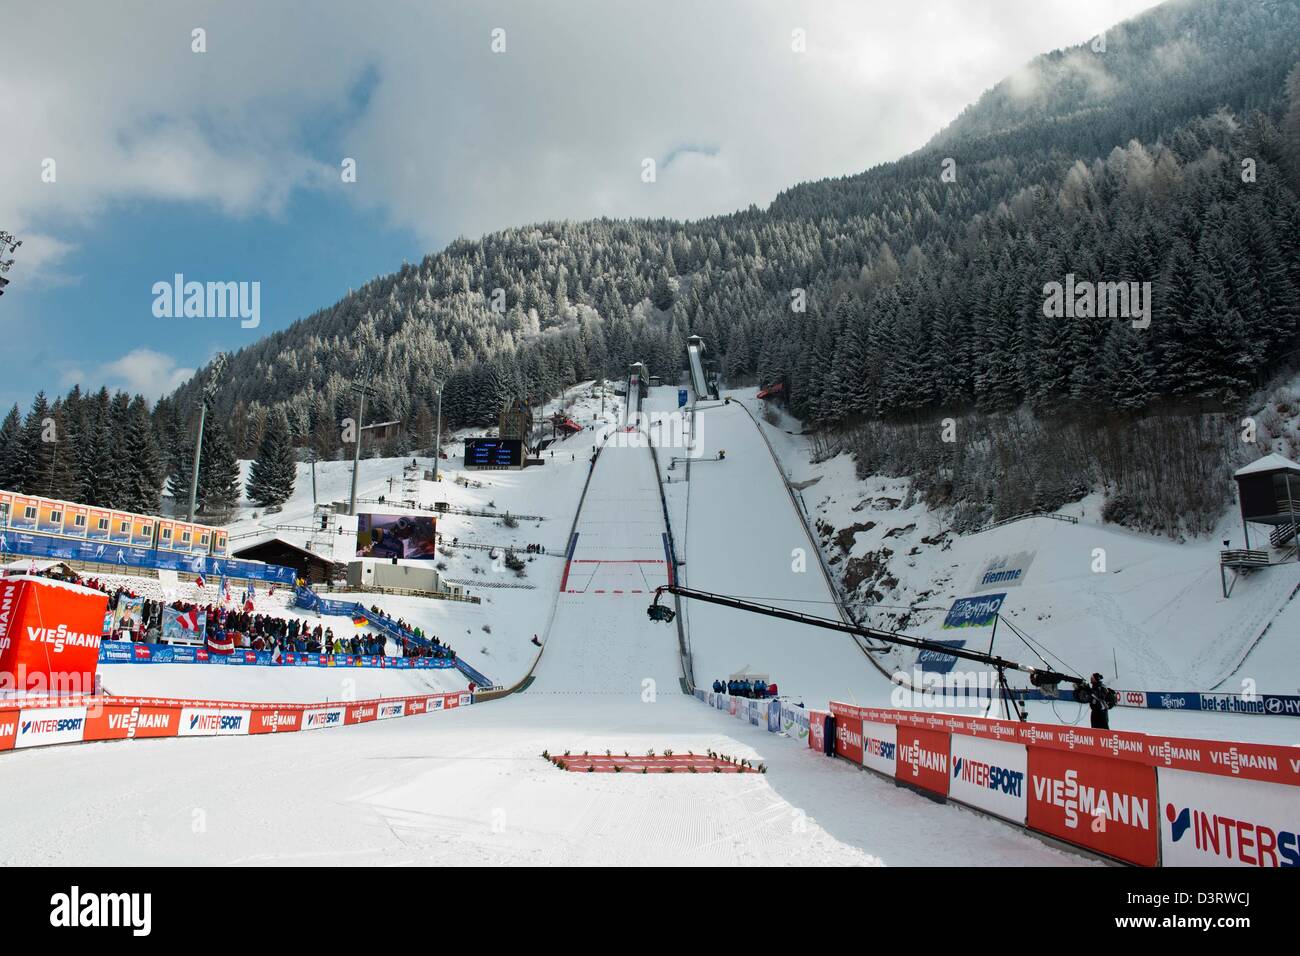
(1162, 159)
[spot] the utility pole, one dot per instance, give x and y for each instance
(209, 389)
(314, 456)
(362, 389)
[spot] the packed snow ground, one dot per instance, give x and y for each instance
(470, 785)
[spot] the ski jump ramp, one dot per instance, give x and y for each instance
(601, 640)
(695, 353)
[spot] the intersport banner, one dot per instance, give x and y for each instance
(1101, 803)
(990, 775)
(1221, 821)
(879, 747)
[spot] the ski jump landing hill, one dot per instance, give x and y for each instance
(469, 785)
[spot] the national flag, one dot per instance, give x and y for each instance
(188, 620)
(359, 620)
(221, 642)
(225, 589)
(199, 580)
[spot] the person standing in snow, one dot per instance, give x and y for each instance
(1100, 700)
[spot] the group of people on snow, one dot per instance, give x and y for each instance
(756, 688)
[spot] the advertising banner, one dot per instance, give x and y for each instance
(879, 747)
(817, 730)
(974, 611)
(213, 722)
(119, 722)
(990, 775)
(101, 552)
(359, 713)
(1220, 821)
(848, 738)
(275, 720)
(922, 759)
(794, 722)
(41, 726)
(773, 716)
(318, 718)
(1004, 572)
(409, 537)
(1104, 804)
(49, 634)
(389, 710)
(936, 662)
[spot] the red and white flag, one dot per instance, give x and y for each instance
(199, 581)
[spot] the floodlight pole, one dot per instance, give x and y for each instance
(209, 389)
(437, 436)
(362, 391)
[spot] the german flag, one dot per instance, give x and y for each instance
(359, 620)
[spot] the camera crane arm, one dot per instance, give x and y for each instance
(1037, 676)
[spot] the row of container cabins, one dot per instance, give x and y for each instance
(32, 514)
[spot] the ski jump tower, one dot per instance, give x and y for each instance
(636, 390)
(695, 352)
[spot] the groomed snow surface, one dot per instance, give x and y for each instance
(470, 786)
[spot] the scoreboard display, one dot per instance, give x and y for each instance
(494, 453)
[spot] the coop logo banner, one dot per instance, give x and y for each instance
(1219, 821)
(208, 300)
(974, 611)
(1004, 571)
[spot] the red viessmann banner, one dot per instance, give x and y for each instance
(921, 759)
(49, 635)
(1101, 803)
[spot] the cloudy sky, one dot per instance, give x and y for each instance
(225, 165)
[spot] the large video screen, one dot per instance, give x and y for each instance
(410, 537)
(494, 453)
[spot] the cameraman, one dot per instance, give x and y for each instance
(1100, 699)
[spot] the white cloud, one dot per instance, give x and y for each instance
(140, 371)
(452, 138)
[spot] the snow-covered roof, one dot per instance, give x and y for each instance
(1274, 462)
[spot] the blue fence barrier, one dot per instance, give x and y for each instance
(309, 600)
(126, 652)
(26, 545)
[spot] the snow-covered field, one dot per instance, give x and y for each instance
(470, 785)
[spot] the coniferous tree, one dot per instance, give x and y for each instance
(272, 473)
(218, 469)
